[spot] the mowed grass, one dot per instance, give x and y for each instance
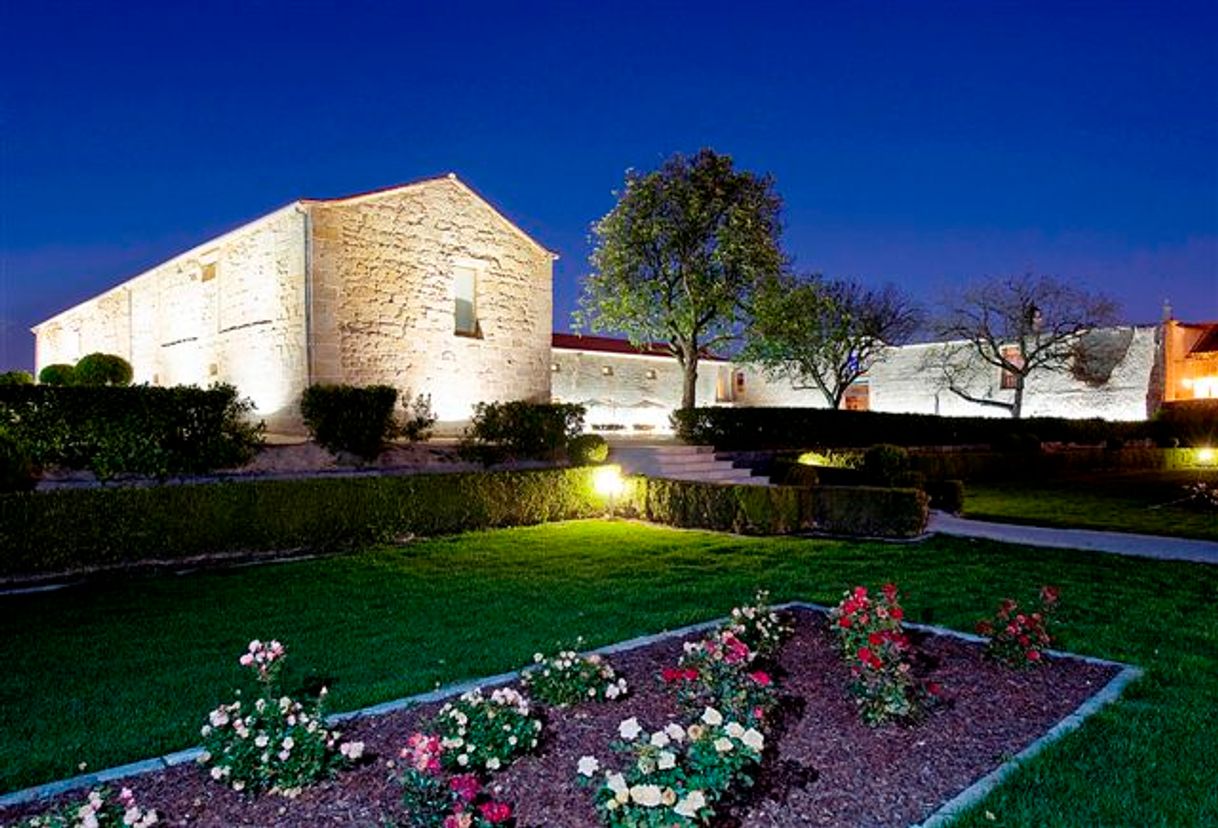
(117, 671)
(1150, 502)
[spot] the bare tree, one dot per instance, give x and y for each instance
(1021, 325)
(826, 333)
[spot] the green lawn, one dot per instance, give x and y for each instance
(118, 671)
(1123, 502)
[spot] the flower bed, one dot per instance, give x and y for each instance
(820, 761)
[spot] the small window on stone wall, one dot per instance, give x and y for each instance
(465, 293)
(651, 373)
(606, 370)
(1011, 355)
(555, 367)
(209, 272)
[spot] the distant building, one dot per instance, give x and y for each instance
(428, 288)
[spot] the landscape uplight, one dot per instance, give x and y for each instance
(607, 481)
(1205, 455)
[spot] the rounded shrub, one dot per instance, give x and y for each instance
(587, 450)
(358, 420)
(102, 369)
(16, 378)
(16, 467)
(885, 464)
(59, 373)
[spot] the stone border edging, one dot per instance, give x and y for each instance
(953, 808)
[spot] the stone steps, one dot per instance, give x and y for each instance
(673, 461)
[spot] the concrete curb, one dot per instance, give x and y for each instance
(966, 799)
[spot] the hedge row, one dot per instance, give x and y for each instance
(775, 510)
(762, 428)
(140, 430)
(82, 528)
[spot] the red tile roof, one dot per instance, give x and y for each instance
(610, 345)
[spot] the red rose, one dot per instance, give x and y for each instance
(890, 592)
(897, 613)
(761, 677)
(844, 622)
(670, 674)
(875, 639)
(933, 688)
(494, 812)
(1033, 655)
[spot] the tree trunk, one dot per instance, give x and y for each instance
(689, 387)
(1017, 403)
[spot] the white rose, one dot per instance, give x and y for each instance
(649, 796)
(723, 745)
(492, 763)
(712, 717)
(666, 760)
(630, 728)
(588, 765)
(735, 729)
(675, 731)
(693, 802)
(660, 739)
(753, 739)
(616, 783)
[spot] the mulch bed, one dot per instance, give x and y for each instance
(823, 766)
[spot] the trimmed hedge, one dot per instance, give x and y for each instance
(16, 467)
(746, 510)
(140, 429)
(870, 511)
(802, 428)
(56, 531)
(587, 450)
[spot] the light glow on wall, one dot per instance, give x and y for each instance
(1203, 388)
(1206, 456)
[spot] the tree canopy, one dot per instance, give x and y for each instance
(1021, 325)
(826, 333)
(678, 259)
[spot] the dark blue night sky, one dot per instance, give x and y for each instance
(923, 143)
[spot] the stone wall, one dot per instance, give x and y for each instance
(382, 307)
(230, 310)
(902, 384)
(636, 392)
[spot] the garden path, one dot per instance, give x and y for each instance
(1117, 543)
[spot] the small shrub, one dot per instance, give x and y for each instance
(877, 651)
(16, 378)
(1018, 639)
(486, 733)
(99, 809)
(788, 473)
(524, 429)
(16, 467)
(587, 450)
(58, 373)
(420, 420)
(102, 369)
(759, 626)
(947, 495)
(1199, 495)
(719, 671)
(883, 464)
(347, 418)
(570, 678)
(673, 776)
(272, 743)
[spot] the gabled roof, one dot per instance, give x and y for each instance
(611, 345)
(423, 182)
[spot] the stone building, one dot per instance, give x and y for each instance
(428, 288)
(424, 286)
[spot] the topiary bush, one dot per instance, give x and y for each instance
(16, 378)
(16, 466)
(884, 464)
(587, 450)
(102, 369)
(59, 373)
(348, 418)
(521, 429)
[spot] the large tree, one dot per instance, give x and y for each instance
(1020, 325)
(679, 258)
(826, 333)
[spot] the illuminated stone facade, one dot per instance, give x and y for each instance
(357, 290)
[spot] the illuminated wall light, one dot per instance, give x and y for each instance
(607, 481)
(1205, 456)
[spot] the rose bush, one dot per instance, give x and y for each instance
(480, 732)
(100, 809)
(1016, 638)
(877, 651)
(274, 742)
(432, 800)
(570, 678)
